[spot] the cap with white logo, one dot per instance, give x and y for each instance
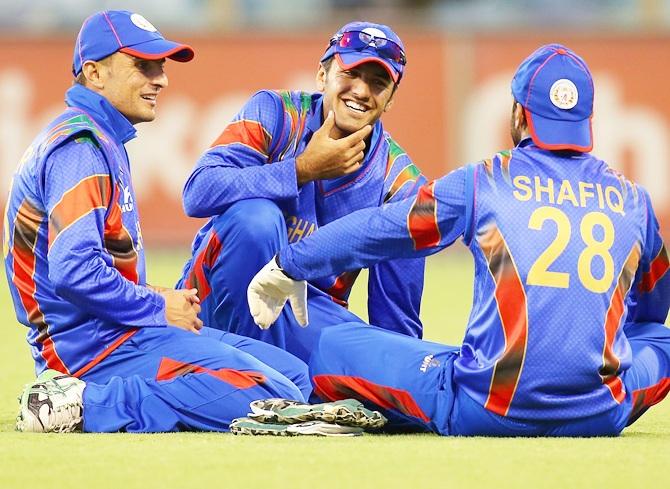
(555, 88)
(107, 32)
(362, 42)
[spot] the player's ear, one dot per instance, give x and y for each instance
(519, 116)
(389, 104)
(321, 76)
(92, 71)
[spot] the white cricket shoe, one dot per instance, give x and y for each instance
(53, 403)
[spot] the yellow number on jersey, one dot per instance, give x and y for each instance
(539, 273)
(596, 248)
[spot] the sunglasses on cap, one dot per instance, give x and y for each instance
(359, 40)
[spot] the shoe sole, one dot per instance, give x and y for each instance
(256, 429)
(310, 428)
(341, 414)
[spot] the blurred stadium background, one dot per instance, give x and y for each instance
(452, 106)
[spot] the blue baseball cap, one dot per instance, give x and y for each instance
(105, 33)
(555, 88)
(362, 42)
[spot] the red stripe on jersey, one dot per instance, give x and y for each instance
(337, 387)
(88, 194)
(50, 354)
(643, 399)
(658, 268)
(26, 227)
(246, 132)
(343, 284)
(422, 219)
(611, 363)
(513, 312)
(118, 242)
(108, 350)
(197, 278)
(170, 369)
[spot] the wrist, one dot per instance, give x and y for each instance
(301, 172)
(280, 268)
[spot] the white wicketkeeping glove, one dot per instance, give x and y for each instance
(268, 292)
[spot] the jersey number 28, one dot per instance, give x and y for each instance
(539, 273)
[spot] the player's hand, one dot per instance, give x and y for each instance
(325, 157)
(268, 291)
(157, 288)
(181, 308)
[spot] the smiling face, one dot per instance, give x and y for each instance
(130, 84)
(358, 96)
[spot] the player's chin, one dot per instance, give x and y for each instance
(147, 115)
(351, 125)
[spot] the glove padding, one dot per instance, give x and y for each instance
(268, 291)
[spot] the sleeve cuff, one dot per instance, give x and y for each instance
(286, 176)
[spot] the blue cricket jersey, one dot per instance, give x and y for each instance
(72, 243)
(566, 252)
(254, 157)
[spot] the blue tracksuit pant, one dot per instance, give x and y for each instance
(168, 379)
(412, 382)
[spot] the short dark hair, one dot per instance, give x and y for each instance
(327, 62)
(80, 79)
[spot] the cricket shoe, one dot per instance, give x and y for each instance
(248, 426)
(347, 412)
(53, 403)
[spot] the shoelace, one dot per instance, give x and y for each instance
(65, 417)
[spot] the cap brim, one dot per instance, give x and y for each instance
(556, 135)
(160, 48)
(355, 58)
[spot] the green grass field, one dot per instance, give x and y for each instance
(209, 460)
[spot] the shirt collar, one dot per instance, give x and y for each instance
(527, 141)
(104, 113)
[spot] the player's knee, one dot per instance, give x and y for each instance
(332, 347)
(253, 223)
(286, 389)
(299, 375)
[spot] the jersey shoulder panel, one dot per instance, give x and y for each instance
(295, 106)
(73, 124)
(401, 176)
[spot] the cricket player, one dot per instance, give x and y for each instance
(114, 353)
(566, 333)
(290, 162)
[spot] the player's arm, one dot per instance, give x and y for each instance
(236, 166)
(415, 227)
(78, 192)
(395, 287)
(649, 298)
